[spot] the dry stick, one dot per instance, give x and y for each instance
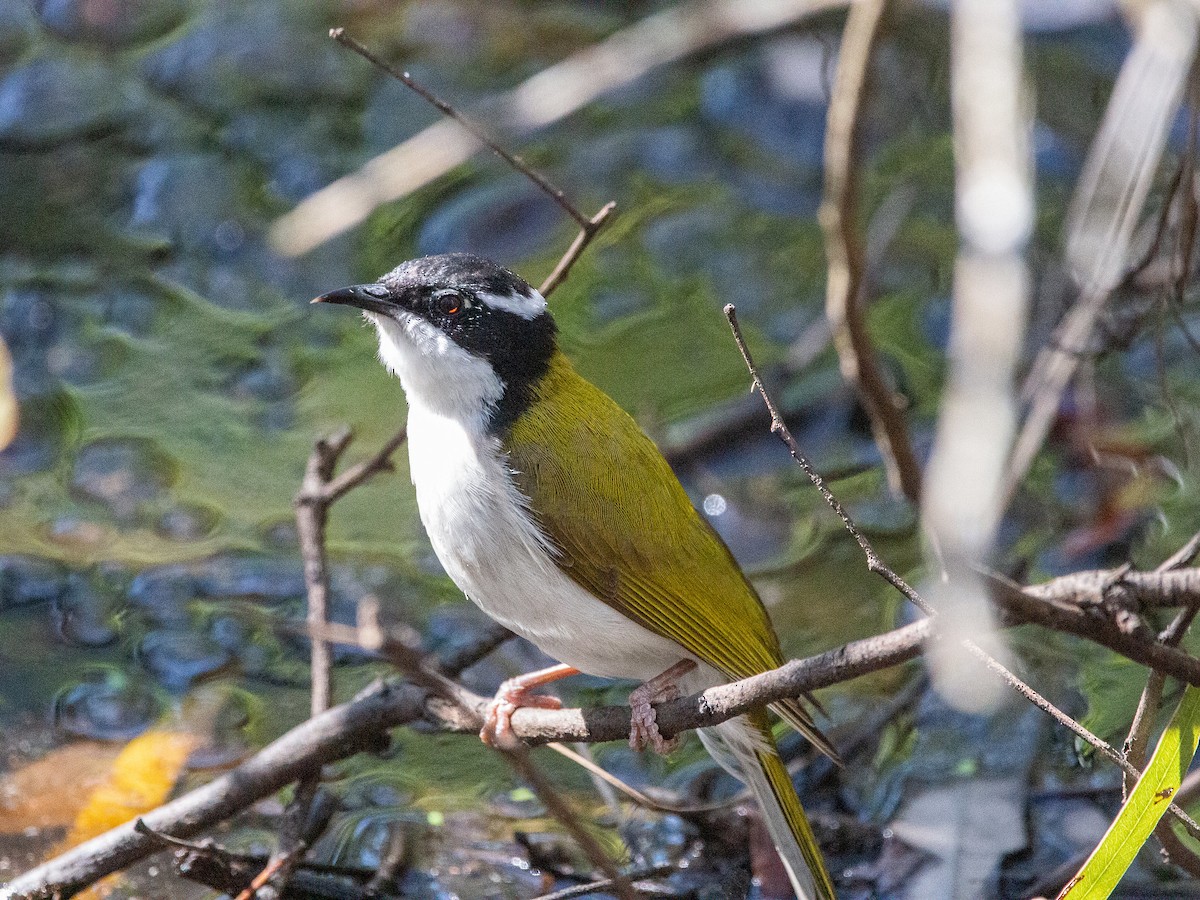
(1137, 743)
(1138, 739)
(339, 733)
(519, 759)
(547, 187)
(588, 228)
(585, 236)
(318, 491)
(311, 514)
(361, 724)
(595, 887)
(548, 96)
(875, 564)
(410, 661)
(1131, 137)
(847, 263)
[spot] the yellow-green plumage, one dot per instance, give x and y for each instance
(626, 531)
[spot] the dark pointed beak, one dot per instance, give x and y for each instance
(371, 297)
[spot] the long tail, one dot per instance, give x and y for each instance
(745, 748)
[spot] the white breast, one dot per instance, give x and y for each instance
(492, 548)
(479, 523)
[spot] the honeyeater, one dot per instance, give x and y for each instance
(553, 511)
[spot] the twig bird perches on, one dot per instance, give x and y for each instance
(554, 513)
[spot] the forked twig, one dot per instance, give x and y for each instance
(318, 491)
(588, 227)
(875, 564)
(549, 188)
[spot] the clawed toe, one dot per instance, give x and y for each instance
(497, 728)
(643, 725)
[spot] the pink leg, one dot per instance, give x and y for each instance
(513, 694)
(643, 730)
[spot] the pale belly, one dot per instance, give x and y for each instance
(492, 549)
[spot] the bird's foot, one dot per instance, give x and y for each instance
(497, 728)
(643, 726)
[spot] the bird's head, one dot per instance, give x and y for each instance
(465, 336)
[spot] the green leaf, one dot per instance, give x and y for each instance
(1146, 804)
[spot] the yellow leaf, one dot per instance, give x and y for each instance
(141, 778)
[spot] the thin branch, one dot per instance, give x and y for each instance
(362, 724)
(843, 247)
(519, 759)
(1184, 556)
(588, 228)
(587, 233)
(363, 471)
(875, 564)
(318, 491)
(679, 31)
(544, 184)
(779, 428)
(1112, 190)
(1137, 742)
(599, 887)
(311, 516)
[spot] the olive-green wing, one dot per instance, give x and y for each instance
(626, 530)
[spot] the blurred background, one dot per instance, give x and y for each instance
(171, 378)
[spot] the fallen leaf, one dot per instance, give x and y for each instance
(37, 795)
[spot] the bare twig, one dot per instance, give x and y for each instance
(847, 264)
(588, 228)
(362, 724)
(1138, 740)
(544, 184)
(674, 33)
(598, 887)
(1028, 603)
(1112, 190)
(779, 428)
(318, 491)
(518, 758)
(587, 233)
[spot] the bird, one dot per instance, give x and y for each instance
(555, 513)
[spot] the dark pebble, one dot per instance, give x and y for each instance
(26, 580)
(110, 23)
(187, 523)
(52, 100)
(247, 54)
(360, 838)
(30, 324)
(775, 101)
(107, 707)
(163, 593)
(266, 579)
(189, 201)
(82, 616)
(178, 658)
(123, 474)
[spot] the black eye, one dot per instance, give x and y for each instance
(449, 302)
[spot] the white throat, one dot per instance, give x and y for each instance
(438, 376)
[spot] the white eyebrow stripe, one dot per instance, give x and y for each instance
(526, 307)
